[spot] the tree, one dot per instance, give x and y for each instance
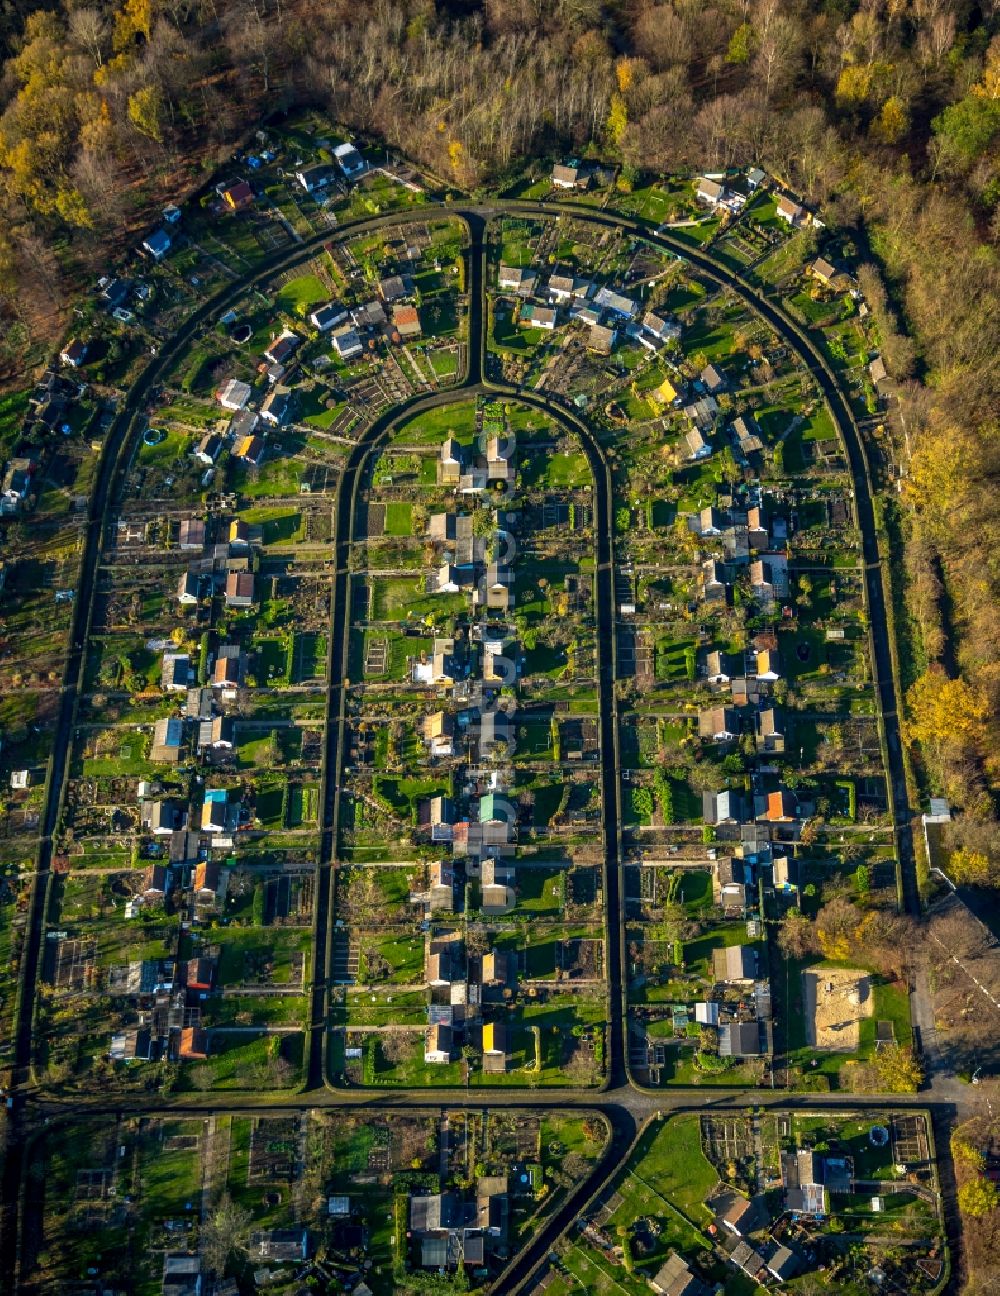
(796, 935)
(894, 120)
(898, 1069)
(617, 120)
(742, 44)
(970, 868)
(89, 31)
(967, 129)
(837, 927)
(966, 1154)
(642, 802)
(780, 45)
(134, 20)
(945, 713)
(225, 1233)
(661, 37)
(145, 111)
(978, 1197)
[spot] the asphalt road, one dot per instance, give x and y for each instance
(624, 1105)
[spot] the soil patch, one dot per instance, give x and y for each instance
(836, 999)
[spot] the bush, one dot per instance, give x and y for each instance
(665, 797)
(642, 802)
(711, 1063)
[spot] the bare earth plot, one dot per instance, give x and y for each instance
(836, 999)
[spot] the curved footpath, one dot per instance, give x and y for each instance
(623, 1104)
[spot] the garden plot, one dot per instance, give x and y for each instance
(836, 1000)
(74, 967)
(274, 1149)
(376, 657)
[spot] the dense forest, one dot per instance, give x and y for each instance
(886, 113)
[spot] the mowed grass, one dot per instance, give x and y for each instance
(278, 525)
(394, 596)
(398, 518)
(170, 1175)
(673, 1164)
(567, 471)
(431, 427)
(444, 363)
(173, 447)
(300, 295)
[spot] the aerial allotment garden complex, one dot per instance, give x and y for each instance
(475, 667)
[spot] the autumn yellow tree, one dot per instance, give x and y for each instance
(135, 19)
(898, 1069)
(97, 129)
(617, 120)
(71, 206)
(969, 868)
(145, 111)
(625, 70)
(853, 84)
(838, 926)
(742, 44)
(963, 1151)
(946, 713)
(893, 120)
(945, 463)
(989, 86)
(978, 1197)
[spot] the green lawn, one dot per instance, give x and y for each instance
(171, 1176)
(566, 471)
(892, 1004)
(398, 518)
(444, 363)
(273, 477)
(404, 596)
(508, 336)
(397, 959)
(402, 794)
(299, 296)
(270, 661)
(539, 890)
(819, 426)
(431, 427)
(696, 889)
(666, 1180)
(278, 525)
(173, 447)
(673, 1163)
(235, 1059)
(545, 659)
